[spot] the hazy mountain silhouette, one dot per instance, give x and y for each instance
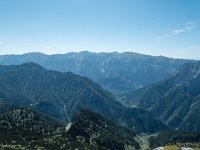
(115, 72)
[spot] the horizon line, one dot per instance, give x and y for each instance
(82, 51)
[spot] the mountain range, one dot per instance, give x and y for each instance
(115, 72)
(45, 109)
(61, 95)
(175, 100)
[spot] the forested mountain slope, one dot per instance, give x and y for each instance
(25, 128)
(175, 100)
(62, 94)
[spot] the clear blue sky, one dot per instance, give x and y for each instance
(156, 27)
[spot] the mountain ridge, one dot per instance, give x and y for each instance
(115, 72)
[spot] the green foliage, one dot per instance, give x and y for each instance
(25, 128)
(97, 130)
(175, 137)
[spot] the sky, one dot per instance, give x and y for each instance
(155, 27)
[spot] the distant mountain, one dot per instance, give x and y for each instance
(115, 72)
(175, 100)
(62, 94)
(25, 128)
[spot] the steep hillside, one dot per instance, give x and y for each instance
(175, 100)
(62, 94)
(115, 72)
(25, 128)
(99, 131)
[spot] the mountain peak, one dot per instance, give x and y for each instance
(87, 123)
(32, 66)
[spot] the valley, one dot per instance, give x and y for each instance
(174, 100)
(99, 75)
